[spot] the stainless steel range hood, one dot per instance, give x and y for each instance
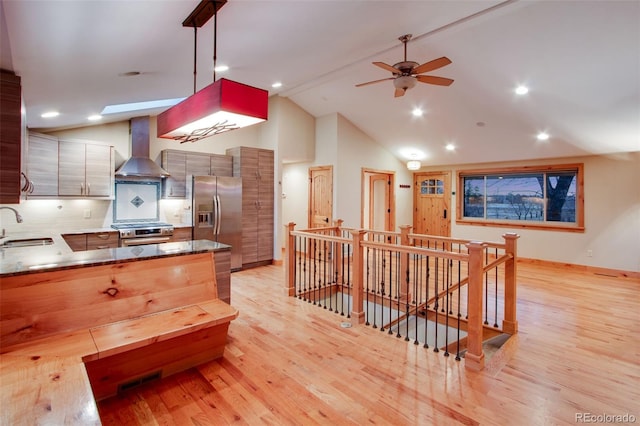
(140, 165)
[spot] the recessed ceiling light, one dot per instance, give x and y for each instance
(276, 85)
(221, 68)
(94, 117)
(417, 112)
(521, 90)
(543, 136)
(450, 147)
(50, 114)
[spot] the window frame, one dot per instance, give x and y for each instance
(577, 226)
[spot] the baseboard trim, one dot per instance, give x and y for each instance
(618, 273)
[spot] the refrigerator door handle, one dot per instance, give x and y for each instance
(218, 215)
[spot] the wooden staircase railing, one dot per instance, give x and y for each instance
(408, 275)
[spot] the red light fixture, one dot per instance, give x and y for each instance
(222, 106)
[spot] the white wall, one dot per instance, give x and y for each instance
(612, 216)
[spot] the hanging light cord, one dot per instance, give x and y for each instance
(215, 39)
(195, 56)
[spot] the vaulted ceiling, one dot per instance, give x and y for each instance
(580, 60)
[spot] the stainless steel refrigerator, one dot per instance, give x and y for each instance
(216, 205)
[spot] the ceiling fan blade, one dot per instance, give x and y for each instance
(431, 65)
(386, 67)
(374, 81)
(399, 92)
(432, 79)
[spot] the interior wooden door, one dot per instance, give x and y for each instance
(432, 215)
(380, 202)
(320, 196)
(320, 207)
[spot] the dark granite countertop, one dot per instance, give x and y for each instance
(58, 256)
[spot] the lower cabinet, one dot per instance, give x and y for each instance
(181, 234)
(91, 241)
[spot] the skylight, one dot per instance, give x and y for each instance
(137, 106)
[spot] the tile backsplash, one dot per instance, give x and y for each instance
(59, 216)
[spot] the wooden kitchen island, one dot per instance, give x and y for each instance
(79, 327)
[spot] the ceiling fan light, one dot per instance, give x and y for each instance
(413, 165)
(404, 82)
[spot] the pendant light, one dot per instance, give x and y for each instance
(222, 106)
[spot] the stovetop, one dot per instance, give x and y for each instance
(141, 225)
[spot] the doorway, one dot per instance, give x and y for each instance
(431, 199)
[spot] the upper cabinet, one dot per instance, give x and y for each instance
(42, 165)
(174, 162)
(85, 170)
(10, 137)
(181, 164)
(68, 169)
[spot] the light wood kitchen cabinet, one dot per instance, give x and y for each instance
(181, 234)
(91, 241)
(85, 170)
(256, 167)
(198, 164)
(221, 165)
(174, 162)
(10, 137)
(182, 164)
(42, 165)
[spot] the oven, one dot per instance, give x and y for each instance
(137, 234)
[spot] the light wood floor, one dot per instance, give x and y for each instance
(290, 363)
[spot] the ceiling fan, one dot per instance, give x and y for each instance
(407, 73)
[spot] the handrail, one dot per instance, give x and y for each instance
(337, 267)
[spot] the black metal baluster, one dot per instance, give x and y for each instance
(435, 306)
(426, 305)
(446, 319)
(323, 267)
(391, 291)
(375, 283)
(316, 291)
(369, 264)
(407, 319)
(346, 259)
(296, 265)
(459, 315)
(416, 293)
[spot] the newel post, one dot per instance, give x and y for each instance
(474, 358)
(337, 252)
(405, 288)
(510, 321)
(290, 260)
(357, 308)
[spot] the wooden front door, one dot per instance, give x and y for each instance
(432, 194)
(320, 196)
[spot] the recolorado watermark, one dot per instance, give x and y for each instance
(605, 418)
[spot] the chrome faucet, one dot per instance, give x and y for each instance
(18, 217)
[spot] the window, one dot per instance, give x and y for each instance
(432, 187)
(528, 197)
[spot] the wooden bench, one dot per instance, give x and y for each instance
(74, 336)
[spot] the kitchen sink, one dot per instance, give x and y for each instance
(27, 242)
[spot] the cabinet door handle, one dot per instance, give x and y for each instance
(88, 189)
